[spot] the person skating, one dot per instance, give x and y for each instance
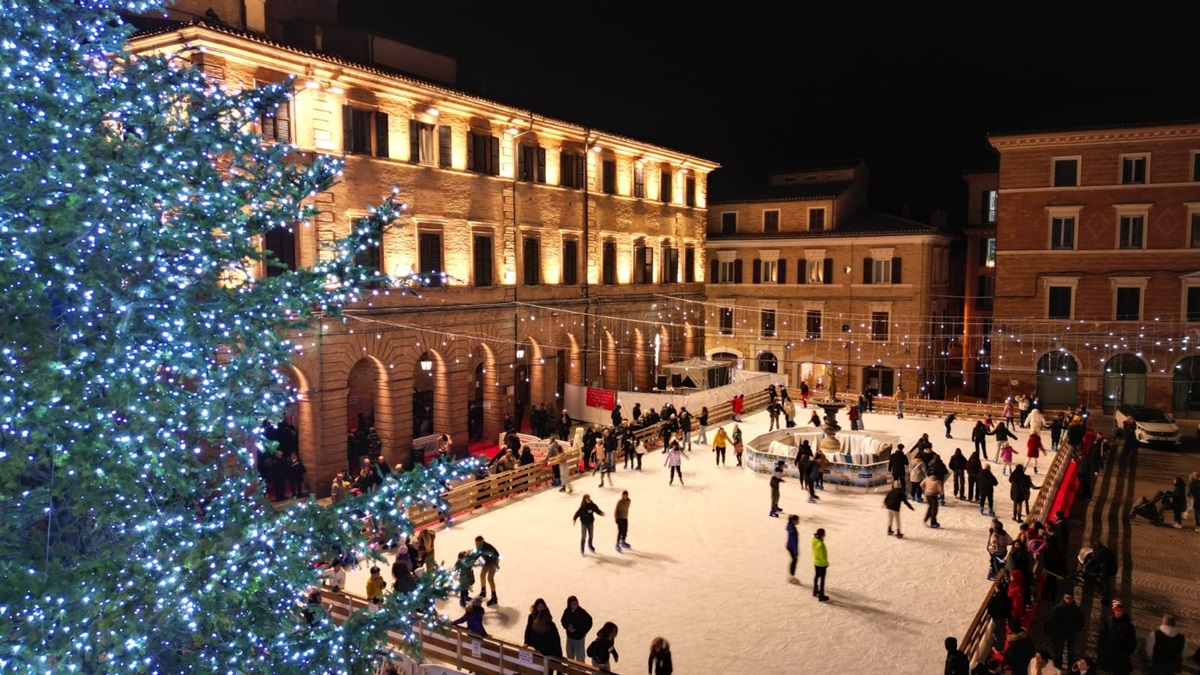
(660, 657)
(473, 617)
(1033, 450)
(1006, 453)
(793, 546)
(933, 489)
(585, 515)
(816, 469)
(901, 397)
(986, 490)
(621, 513)
(974, 466)
(958, 469)
(947, 422)
(577, 623)
(675, 455)
(735, 439)
(1003, 435)
(720, 442)
(898, 465)
(916, 473)
(820, 564)
(979, 435)
(892, 501)
(490, 558)
(466, 577)
(1020, 488)
(702, 432)
(776, 481)
(604, 648)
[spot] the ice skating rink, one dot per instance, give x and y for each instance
(708, 569)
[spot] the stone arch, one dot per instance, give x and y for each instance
(302, 414)
(1185, 388)
(1124, 381)
(691, 340)
(1058, 378)
(768, 362)
(431, 403)
(664, 348)
(574, 374)
(486, 402)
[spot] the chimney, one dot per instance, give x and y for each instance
(256, 16)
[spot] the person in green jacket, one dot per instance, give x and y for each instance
(820, 563)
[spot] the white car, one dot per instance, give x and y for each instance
(1153, 425)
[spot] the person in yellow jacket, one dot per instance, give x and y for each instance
(820, 564)
(720, 442)
(375, 584)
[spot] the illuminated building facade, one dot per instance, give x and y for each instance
(805, 280)
(979, 281)
(543, 247)
(1097, 277)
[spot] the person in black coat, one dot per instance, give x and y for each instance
(1002, 434)
(1118, 641)
(577, 623)
(898, 465)
(986, 487)
(958, 468)
(979, 435)
(999, 608)
(957, 662)
(660, 657)
(542, 634)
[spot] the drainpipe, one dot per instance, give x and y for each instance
(587, 245)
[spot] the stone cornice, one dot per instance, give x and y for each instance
(1095, 137)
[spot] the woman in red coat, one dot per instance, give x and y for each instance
(1016, 593)
(1033, 450)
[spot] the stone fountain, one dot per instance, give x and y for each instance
(830, 445)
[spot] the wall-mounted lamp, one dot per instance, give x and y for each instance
(596, 147)
(312, 84)
(641, 160)
(427, 364)
(431, 110)
(512, 131)
(847, 269)
(520, 352)
(337, 90)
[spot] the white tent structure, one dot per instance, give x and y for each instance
(698, 374)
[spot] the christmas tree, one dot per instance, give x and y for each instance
(139, 354)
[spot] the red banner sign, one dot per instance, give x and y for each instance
(601, 398)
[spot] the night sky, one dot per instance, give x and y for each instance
(911, 90)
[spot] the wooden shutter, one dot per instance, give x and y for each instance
(781, 277)
(639, 268)
(541, 165)
(471, 150)
(756, 277)
(737, 271)
(347, 129)
(281, 241)
(802, 271)
(444, 145)
(381, 135)
(714, 266)
(580, 163)
(494, 168)
(483, 261)
(414, 141)
(895, 270)
(283, 122)
(828, 277)
(868, 268)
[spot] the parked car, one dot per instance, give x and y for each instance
(1153, 426)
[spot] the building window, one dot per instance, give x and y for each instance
(1066, 172)
(532, 258)
(1193, 303)
(689, 191)
(429, 258)
(1059, 302)
(689, 265)
(609, 264)
(570, 169)
(1194, 231)
(1129, 304)
(879, 326)
(570, 262)
(727, 272)
(990, 199)
(639, 179)
(280, 242)
(814, 271)
(643, 264)
(531, 164)
(420, 142)
(768, 323)
(729, 223)
(664, 187)
(609, 176)
(881, 270)
(277, 125)
(816, 220)
(812, 324)
(670, 265)
(482, 260)
(767, 271)
(1131, 232)
(987, 252)
(984, 292)
(364, 132)
(483, 153)
(1062, 232)
(771, 221)
(1133, 169)
(726, 321)
(444, 145)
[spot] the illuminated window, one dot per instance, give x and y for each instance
(420, 142)
(990, 200)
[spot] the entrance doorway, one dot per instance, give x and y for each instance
(1185, 399)
(880, 379)
(1124, 382)
(767, 363)
(1057, 379)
